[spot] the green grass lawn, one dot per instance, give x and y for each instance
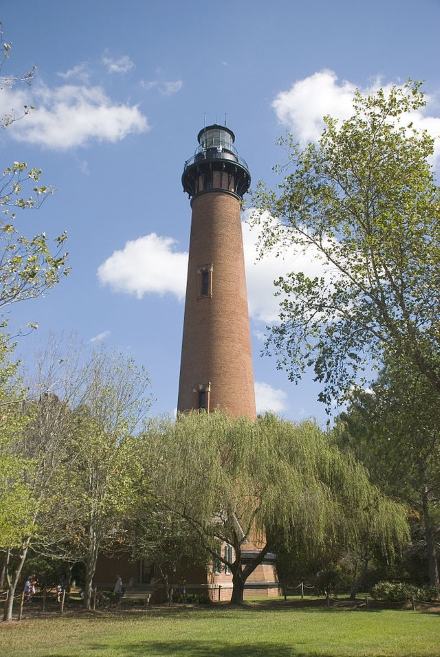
(220, 631)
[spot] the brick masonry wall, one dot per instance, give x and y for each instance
(216, 346)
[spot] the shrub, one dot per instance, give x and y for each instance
(198, 599)
(391, 592)
(429, 593)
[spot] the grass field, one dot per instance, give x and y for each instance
(255, 630)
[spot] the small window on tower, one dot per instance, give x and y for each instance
(205, 280)
(201, 392)
(205, 283)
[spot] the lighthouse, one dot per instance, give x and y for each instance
(216, 364)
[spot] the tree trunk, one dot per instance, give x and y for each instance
(237, 587)
(359, 580)
(240, 574)
(12, 583)
(430, 540)
(5, 568)
(92, 558)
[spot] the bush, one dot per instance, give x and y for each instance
(198, 599)
(429, 593)
(390, 592)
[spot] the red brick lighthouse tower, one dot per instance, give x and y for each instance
(216, 364)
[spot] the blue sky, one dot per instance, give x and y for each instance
(120, 93)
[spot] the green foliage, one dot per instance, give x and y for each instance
(429, 593)
(84, 477)
(27, 270)
(198, 599)
(17, 505)
(394, 429)
(99, 485)
(275, 483)
(27, 266)
(392, 592)
(364, 202)
(159, 537)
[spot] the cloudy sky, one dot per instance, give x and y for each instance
(120, 92)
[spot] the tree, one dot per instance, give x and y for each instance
(79, 443)
(365, 202)
(16, 503)
(394, 429)
(269, 482)
(27, 270)
(42, 451)
(27, 266)
(100, 481)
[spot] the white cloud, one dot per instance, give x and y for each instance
(165, 87)
(270, 399)
(70, 116)
(121, 65)
(303, 106)
(171, 87)
(259, 335)
(79, 72)
(100, 337)
(261, 274)
(146, 265)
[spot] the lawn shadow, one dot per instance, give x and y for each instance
(205, 649)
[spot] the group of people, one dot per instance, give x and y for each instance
(29, 589)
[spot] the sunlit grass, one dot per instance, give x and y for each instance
(222, 631)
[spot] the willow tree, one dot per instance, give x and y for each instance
(269, 481)
(364, 201)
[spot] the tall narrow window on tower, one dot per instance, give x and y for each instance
(201, 394)
(205, 280)
(205, 283)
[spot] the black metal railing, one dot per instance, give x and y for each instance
(230, 154)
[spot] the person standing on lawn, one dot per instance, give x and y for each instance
(118, 589)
